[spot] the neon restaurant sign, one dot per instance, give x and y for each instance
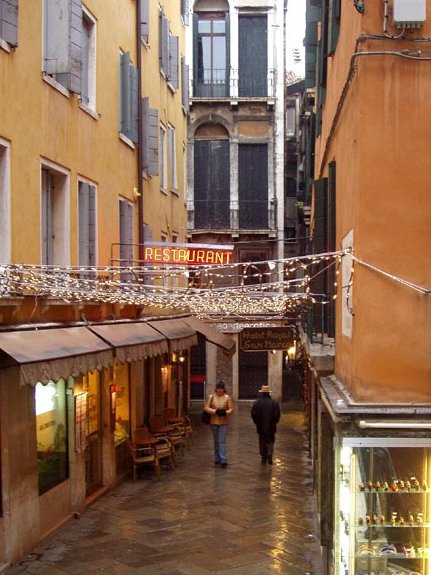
(162, 253)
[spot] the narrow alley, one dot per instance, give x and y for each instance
(200, 519)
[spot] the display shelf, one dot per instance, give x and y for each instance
(383, 505)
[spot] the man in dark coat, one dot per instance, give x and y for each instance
(265, 413)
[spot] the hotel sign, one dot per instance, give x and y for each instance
(263, 339)
(162, 253)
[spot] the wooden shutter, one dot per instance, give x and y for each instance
(126, 233)
(125, 93)
(87, 224)
(150, 138)
(185, 85)
(75, 31)
(334, 25)
(63, 22)
(145, 20)
(9, 21)
(164, 45)
(134, 79)
(320, 215)
(173, 61)
(212, 184)
(253, 57)
(253, 186)
(84, 215)
(47, 231)
(185, 11)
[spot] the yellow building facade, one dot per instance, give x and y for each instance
(93, 111)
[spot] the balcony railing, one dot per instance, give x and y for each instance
(230, 83)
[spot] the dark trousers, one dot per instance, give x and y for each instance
(266, 445)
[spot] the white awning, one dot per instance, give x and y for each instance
(180, 335)
(51, 354)
(211, 334)
(132, 340)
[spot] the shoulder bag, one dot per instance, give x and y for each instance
(206, 417)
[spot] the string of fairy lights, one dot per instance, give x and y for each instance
(271, 288)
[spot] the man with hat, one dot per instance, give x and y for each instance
(265, 413)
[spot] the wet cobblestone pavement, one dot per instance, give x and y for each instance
(200, 519)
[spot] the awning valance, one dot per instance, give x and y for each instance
(211, 334)
(180, 335)
(50, 354)
(132, 341)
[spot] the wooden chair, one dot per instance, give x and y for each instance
(175, 434)
(183, 422)
(188, 430)
(142, 456)
(161, 443)
(171, 418)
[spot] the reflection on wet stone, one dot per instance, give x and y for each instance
(200, 519)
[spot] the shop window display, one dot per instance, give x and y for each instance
(384, 507)
(120, 398)
(51, 434)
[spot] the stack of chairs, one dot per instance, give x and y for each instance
(174, 432)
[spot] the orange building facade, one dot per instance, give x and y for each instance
(369, 72)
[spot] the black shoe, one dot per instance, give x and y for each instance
(270, 460)
(224, 464)
(216, 462)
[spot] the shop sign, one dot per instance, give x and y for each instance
(163, 253)
(268, 338)
(238, 326)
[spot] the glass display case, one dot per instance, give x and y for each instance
(383, 506)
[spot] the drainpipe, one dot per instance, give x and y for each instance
(140, 143)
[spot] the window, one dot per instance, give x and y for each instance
(122, 402)
(88, 54)
(54, 216)
(253, 186)
(126, 235)
(173, 158)
(211, 184)
(5, 223)
(61, 49)
(87, 224)
(290, 121)
(51, 434)
(128, 98)
(211, 56)
(163, 166)
(9, 21)
(253, 63)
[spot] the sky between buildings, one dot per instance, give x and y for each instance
(295, 32)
